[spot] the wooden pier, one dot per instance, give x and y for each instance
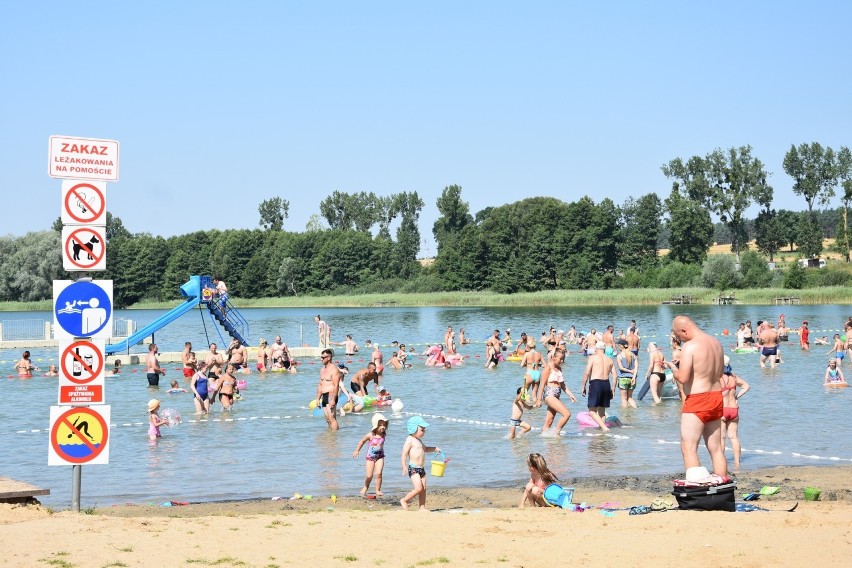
(13, 491)
(787, 300)
(723, 300)
(679, 300)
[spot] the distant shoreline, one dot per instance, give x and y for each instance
(549, 298)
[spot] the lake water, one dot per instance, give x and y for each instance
(271, 445)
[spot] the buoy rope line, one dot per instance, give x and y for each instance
(484, 423)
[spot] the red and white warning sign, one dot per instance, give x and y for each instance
(84, 248)
(83, 202)
(81, 372)
(83, 158)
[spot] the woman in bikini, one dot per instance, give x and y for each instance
(553, 384)
(226, 387)
(24, 367)
(731, 408)
(656, 375)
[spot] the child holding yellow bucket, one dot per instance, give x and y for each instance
(413, 457)
(375, 461)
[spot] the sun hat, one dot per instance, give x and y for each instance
(153, 404)
(377, 418)
(416, 422)
(600, 345)
(697, 474)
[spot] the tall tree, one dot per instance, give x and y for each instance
(641, 222)
(273, 211)
(809, 232)
(769, 234)
(690, 229)
(387, 210)
(788, 222)
(408, 234)
(337, 211)
(814, 172)
(455, 216)
(843, 236)
(727, 183)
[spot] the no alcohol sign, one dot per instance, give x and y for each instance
(81, 372)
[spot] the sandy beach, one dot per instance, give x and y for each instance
(466, 527)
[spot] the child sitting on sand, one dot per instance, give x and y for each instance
(540, 478)
(413, 457)
(375, 461)
(518, 405)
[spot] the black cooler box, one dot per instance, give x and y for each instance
(707, 497)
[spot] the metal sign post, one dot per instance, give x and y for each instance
(83, 308)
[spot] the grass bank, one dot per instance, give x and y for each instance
(631, 297)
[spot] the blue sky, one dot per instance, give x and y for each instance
(220, 105)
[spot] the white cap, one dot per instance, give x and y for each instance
(600, 345)
(697, 474)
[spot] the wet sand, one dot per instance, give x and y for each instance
(466, 527)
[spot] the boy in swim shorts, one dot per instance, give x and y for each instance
(518, 405)
(413, 457)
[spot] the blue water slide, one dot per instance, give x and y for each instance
(191, 291)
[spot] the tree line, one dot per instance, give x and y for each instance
(539, 243)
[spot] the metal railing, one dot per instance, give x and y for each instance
(22, 330)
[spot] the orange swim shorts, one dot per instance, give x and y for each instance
(707, 406)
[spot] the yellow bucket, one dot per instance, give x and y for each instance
(439, 465)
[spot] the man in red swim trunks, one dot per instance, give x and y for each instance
(700, 371)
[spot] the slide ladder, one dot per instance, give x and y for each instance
(198, 290)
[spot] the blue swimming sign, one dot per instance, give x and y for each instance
(82, 309)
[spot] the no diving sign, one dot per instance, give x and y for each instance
(84, 248)
(78, 435)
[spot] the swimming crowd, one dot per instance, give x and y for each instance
(697, 371)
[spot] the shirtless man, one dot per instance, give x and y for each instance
(769, 340)
(699, 371)
(190, 363)
(633, 341)
(153, 364)
(350, 346)
(362, 378)
(493, 346)
(213, 358)
(327, 389)
(276, 351)
(600, 377)
(447, 335)
(609, 341)
(237, 355)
